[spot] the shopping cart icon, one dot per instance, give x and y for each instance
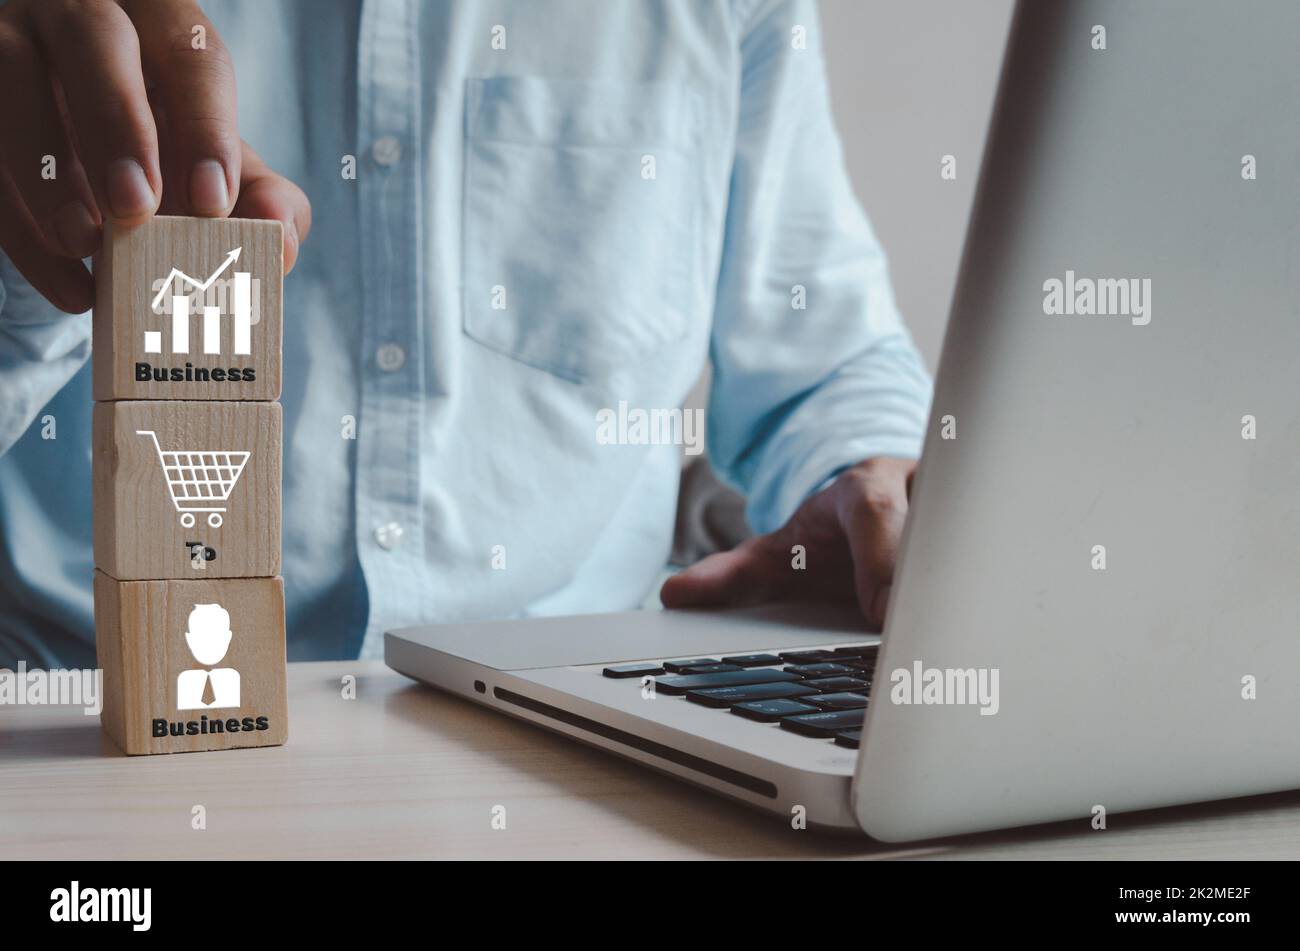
(198, 480)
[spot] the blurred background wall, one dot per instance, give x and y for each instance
(912, 81)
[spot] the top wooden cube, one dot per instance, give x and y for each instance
(189, 309)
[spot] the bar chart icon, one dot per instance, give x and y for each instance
(241, 311)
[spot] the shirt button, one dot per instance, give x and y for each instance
(390, 357)
(389, 535)
(387, 150)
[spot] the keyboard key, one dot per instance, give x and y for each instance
(674, 685)
(620, 671)
(721, 697)
(768, 711)
(684, 666)
(805, 657)
(837, 684)
(821, 724)
(753, 660)
(703, 669)
(838, 701)
(850, 738)
(821, 670)
(863, 650)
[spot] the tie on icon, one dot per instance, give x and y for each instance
(209, 695)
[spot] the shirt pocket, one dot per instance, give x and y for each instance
(579, 222)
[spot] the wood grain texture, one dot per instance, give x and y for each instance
(404, 771)
(139, 533)
(142, 640)
(129, 271)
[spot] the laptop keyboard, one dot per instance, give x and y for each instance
(822, 694)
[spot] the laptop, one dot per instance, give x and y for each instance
(1097, 605)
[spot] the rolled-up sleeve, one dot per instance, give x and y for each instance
(813, 369)
(40, 349)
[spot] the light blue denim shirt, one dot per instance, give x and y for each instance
(558, 205)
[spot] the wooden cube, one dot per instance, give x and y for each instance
(189, 309)
(191, 665)
(186, 489)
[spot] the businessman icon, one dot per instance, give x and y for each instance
(208, 638)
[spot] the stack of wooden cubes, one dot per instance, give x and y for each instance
(189, 605)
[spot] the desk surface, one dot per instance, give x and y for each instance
(403, 771)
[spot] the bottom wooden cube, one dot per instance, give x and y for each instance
(192, 665)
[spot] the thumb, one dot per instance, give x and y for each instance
(729, 577)
(265, 194)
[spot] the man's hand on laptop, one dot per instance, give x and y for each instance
(848, 534)
(119, 110)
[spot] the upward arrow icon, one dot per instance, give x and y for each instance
(178, 274)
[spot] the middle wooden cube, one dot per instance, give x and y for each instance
(186, 489)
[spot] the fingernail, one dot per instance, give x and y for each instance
(76, 229)
(129, 194)
(290, 245)
(208, 192)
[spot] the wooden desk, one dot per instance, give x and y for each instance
(405, 772)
